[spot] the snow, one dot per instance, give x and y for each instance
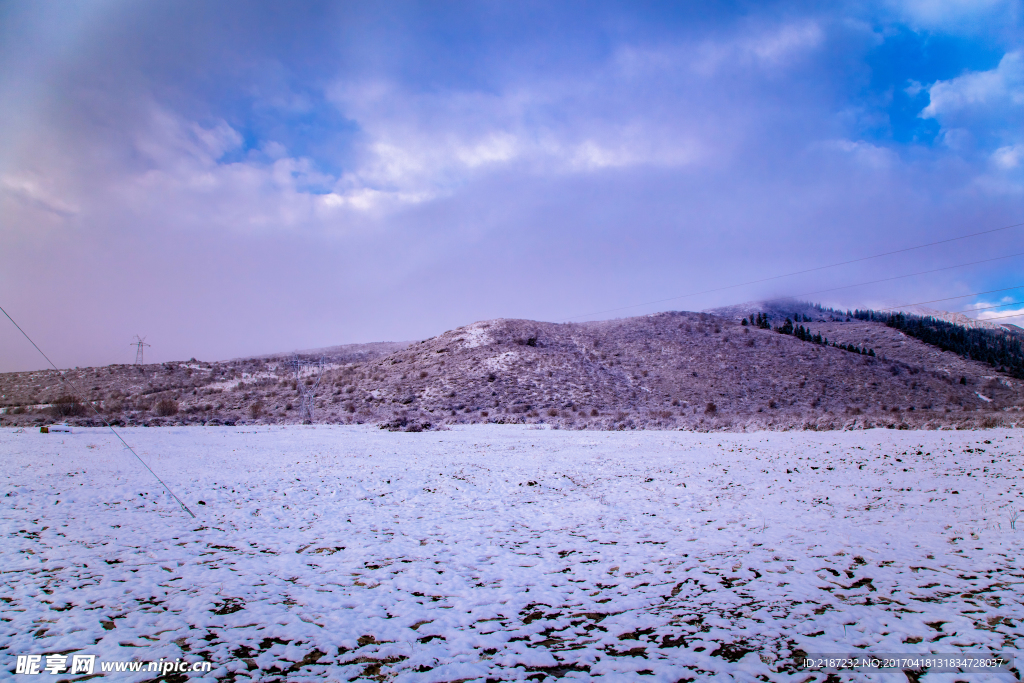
(501, 362)
(475, 335)
(490, 551)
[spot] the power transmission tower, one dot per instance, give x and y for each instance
(139, 342)
(307, 393)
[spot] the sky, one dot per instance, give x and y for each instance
(238, 178)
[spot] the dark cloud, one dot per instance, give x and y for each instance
(235, 179)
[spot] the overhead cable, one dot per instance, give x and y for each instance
(923, 272)
(951, 298)
(98, 414)
(799, 272)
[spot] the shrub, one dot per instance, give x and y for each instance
(553, 412)
(710, 409)
(67, 406)
(166, 407)
(256, 409)
(593, 412)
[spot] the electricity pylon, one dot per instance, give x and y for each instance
(139, 342)
(307, 394)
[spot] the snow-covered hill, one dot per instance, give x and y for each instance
(666, 371)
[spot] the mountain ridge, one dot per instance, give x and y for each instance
(671, 370)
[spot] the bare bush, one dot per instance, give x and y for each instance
(166, 407)
(710, 409)
(256, 409)
(67, 406)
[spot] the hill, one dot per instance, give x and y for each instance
(675, 370)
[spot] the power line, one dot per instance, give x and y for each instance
(98, 414)
(951, 298)
(1002, 317)
(799, 272)
(989, 308)
(923, 272)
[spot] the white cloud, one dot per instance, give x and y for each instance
(1001, 87)
(769, 48)
(788, 40)
(999, 315)
(496, 148)
(417, 146)
(1009, 157)
(864, 153)
(38, 192)
(1005, 315)
(950, 14)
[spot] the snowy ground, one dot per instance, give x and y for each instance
(509, 553)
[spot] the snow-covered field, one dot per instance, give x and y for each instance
(508, 553)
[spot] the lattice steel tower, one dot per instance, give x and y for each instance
(139, 342)
(307, 393)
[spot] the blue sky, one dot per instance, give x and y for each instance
(234, 178)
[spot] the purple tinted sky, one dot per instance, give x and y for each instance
(233, 178)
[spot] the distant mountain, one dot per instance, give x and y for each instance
(950, 317)
(673, 370)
